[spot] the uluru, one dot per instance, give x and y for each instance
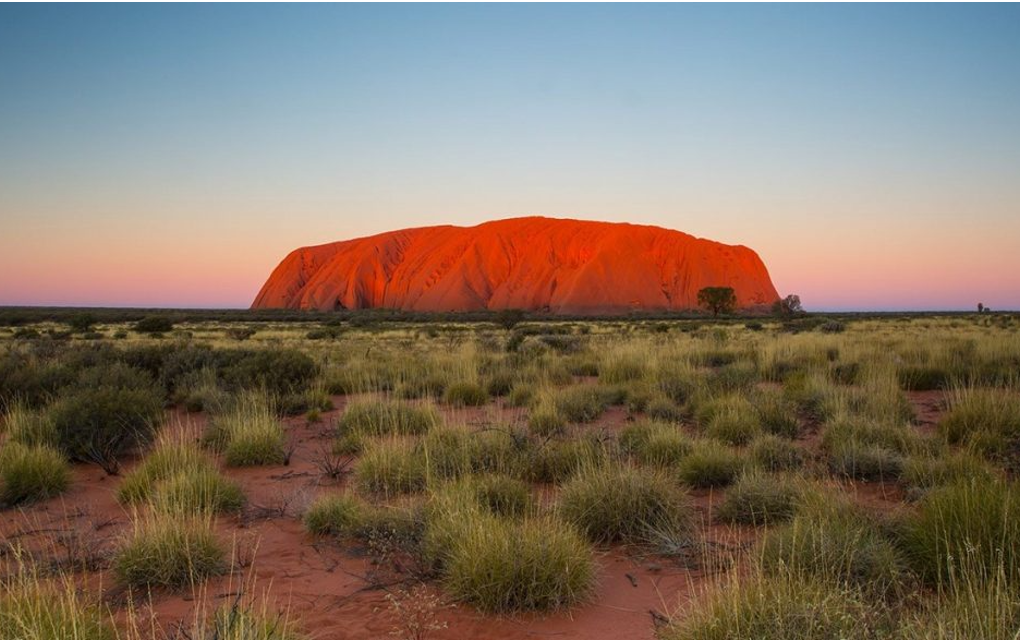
(552, 265)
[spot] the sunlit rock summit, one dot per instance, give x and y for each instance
(537, 264)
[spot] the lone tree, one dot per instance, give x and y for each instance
(509, 318)
(717, 299)
(788, 306)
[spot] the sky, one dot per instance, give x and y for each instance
(171, 155)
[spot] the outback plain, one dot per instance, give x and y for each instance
(510, 476)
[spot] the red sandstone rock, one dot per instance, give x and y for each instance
(538, 264)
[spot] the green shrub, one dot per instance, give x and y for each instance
(465, 394)
(758, 499)
(104, 424)
(334, 515)
(154, 325)
(709, 464)
(629, 504)
(970, 528)
(31, 473)
(167, 550)
(277, 371)
(774, 453)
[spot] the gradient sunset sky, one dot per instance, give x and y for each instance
(171, 155)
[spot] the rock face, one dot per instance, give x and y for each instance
(536, 264)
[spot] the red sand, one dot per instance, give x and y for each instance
(537, 264)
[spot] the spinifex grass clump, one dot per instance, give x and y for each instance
(199, 491)
(775, 453)
(779, 605)
(465, 394)
(249, 435)
(925, 471)
(31, 473)
(28, 427)
(33, 606)
(391, 467)
(388, 417)
(758, 498)
(655, 443)
(334, 515)
(709, 464)
(986, 419)
(171, 550)
(970, 528)
(503, 565)
(581, 403)
(172, 455)
(833, 541)
(624, 503)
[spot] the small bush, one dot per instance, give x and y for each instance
(709, 464)
(334, 515)
(28, 474)
(277, 371)
(169, 551)
(154, 325)
(104, 424)
(758, 499)
(629, 504)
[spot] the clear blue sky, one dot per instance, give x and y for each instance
(171, 154)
